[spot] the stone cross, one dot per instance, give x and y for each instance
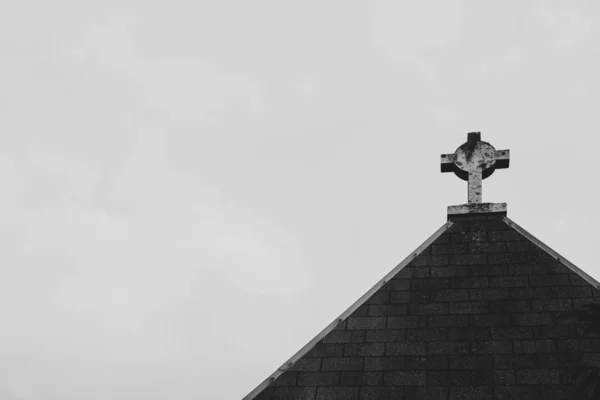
(474, 161)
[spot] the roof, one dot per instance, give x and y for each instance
(444, 229)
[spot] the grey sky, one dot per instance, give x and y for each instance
(192, 190)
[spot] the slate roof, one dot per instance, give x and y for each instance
(479, 311)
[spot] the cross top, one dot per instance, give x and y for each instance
(474, 161)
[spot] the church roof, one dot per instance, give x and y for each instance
(482, 309)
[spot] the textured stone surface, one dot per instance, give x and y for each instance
(478, 315)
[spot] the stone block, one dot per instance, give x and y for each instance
(470, 282)
(451, 295)
(510, 306)
(338, 393)
(492, 347)
(426, 393)
(551, 305)
(342, 364)
(489, 226)
(400, 297)
(487, 247)
(405, 322)
(379, 297)
(591, 345)
(520, 392)
(430, 284)
(504, 236)
(515, 361)
(557, 392)
(447, 348)
(538, 268)
(488, 294)
(442, 239)
(370, 378)
(397, 283)
(361, 311)
(307, 364)
(535, 346)
(382, 393)
(530, 293)
(541, 256)
(406, 349)
(550, 360)
(363, 323)
(428, 309)
(507, 258)
(364, 349)
(384, 363)
(449, 271)
(386, 310)
(531, 319)
(495, 378)
(426, 335)
(288, 378)
(468, 259)
(471, 393)
(471, 307)
(385, 336)
(425, 362)
(482, 320)
(580, 303)
(430, 261)
(504, 333)
(449, 378)
(467, 334)
(457, 248)
(447, 321)
(591, 358)
(416, 272)
(318, 378)
(488, 270)
(570, 291)
(556, 332)
(508, 281)
(294, 393)
(567, 346)
(421, 296)
(345, 337)
(403, 378)
(523, 246)
(470, 362)
(537, 377)
(326, 350)
(549, 280)
(469, 236)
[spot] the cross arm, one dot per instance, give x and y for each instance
(502, 158)
(447, 162)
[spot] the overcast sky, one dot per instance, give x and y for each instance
(192, 190)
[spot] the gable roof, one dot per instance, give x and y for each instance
(443, 229)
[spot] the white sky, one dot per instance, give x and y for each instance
(192, 190)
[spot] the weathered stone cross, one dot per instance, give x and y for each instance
(474, 161)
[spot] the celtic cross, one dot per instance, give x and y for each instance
(473, 162)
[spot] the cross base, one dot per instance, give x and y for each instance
(477, 208)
